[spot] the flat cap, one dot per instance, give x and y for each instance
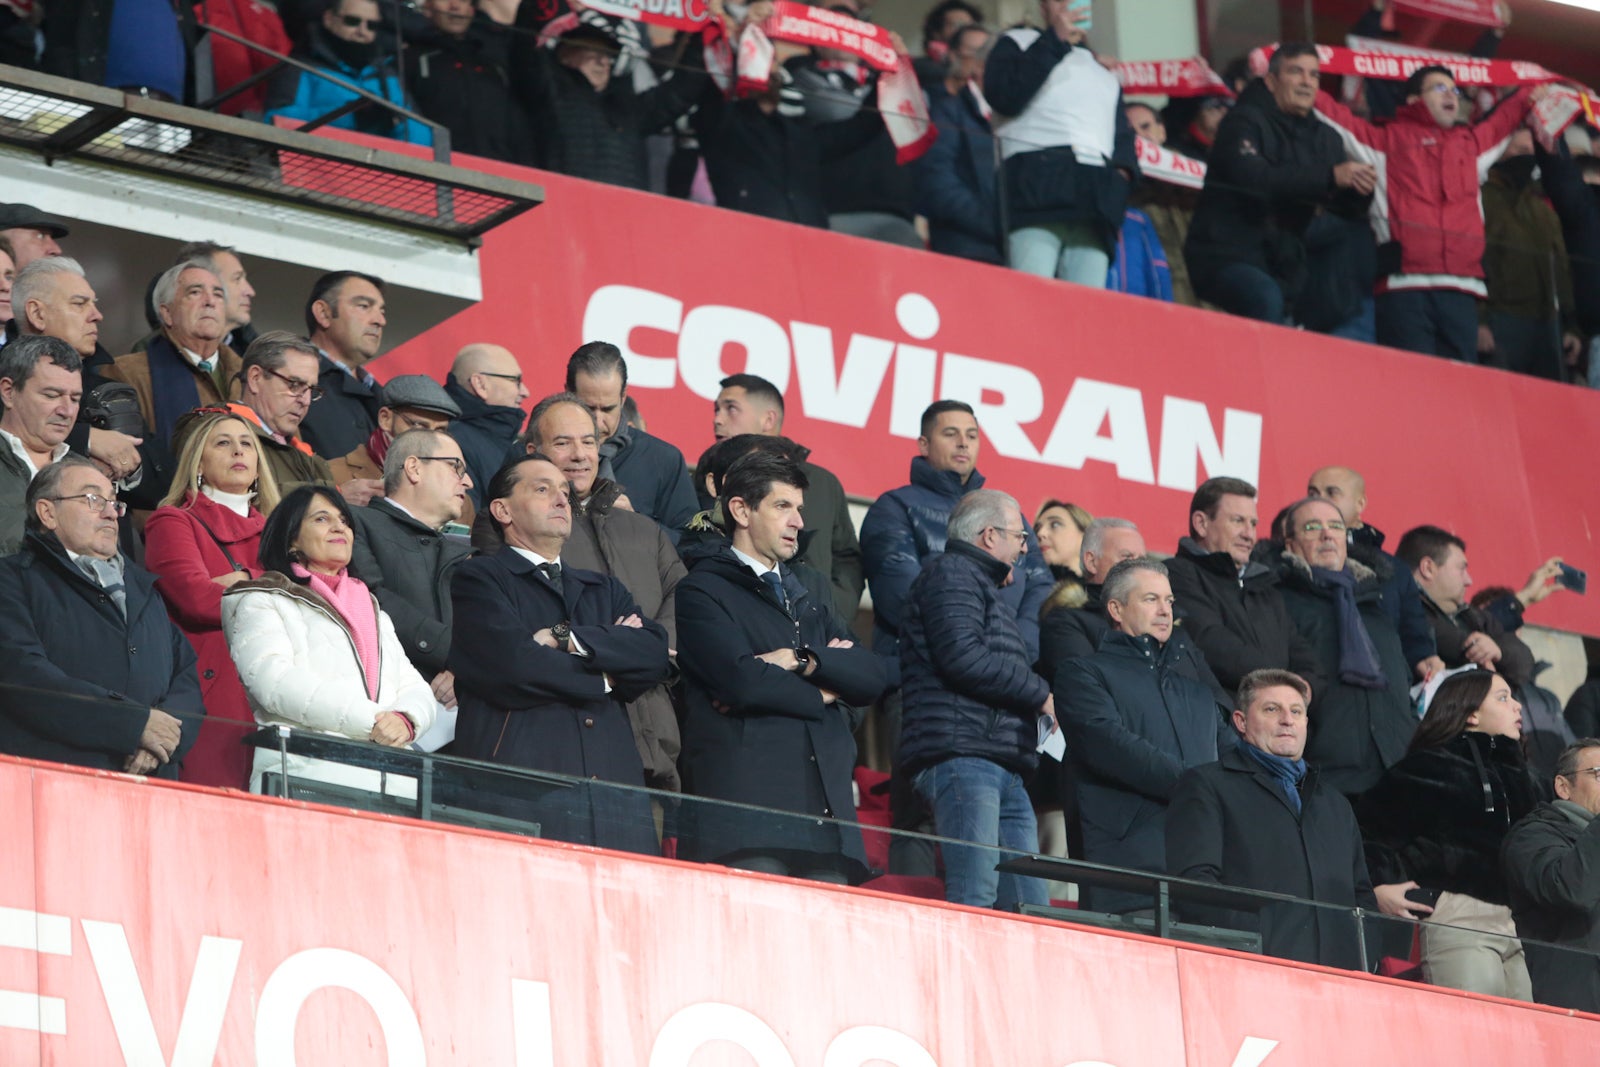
(419, 393)
(28, 217)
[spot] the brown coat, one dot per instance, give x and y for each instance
(134, 369)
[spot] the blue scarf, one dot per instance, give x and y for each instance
(1358, 656)
(1288, 772)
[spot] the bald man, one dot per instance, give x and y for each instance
(485, 381)
(1346, 490)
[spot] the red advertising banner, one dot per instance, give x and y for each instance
(1477, 12)
(298, 935)
(1119, 403)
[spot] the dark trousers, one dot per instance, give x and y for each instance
(1435, 322)
(1239, 289)
(1527, 346)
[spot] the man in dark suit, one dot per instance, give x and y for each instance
(92, 671)
(772, 677)
(546, 658)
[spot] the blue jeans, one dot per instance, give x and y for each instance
(1071, 251)
(1435, 322)
(1241, 289)
(980, 801)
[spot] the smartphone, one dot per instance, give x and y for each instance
(1419, 895)
(1572, 578)
(1075, 6)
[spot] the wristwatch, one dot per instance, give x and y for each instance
(804, 657)
(562, 632)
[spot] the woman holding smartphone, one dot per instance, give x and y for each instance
(1437, 818)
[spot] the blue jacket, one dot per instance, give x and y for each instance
(968, 686)
(955, 180)
(907, 525)
(1133, 724)
(297, 95)
(654, 476)
(1139, 265)
(62, 637)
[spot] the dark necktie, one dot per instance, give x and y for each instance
(552, 571)
(775, 583)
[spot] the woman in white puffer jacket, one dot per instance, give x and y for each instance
(314, 650)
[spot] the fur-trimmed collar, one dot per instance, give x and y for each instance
(1358, 570)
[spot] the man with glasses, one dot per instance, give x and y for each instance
(348, 45)
(92, 671)
(1361, 718)
(1134, 722)
(406, 402)
(401, 551)
(974, 710)
(277, 386)
(485, 382)
(1551, 861)
(1428, 214)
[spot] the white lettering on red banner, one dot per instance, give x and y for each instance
(821, 28)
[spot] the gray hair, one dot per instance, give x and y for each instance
(47, 483)
(1094, 538)
(19, 358)
(1119, 582)
(531, 435)
(403, 447)
(271, 351)
(31, 281)
(979, 510)
(167, 285)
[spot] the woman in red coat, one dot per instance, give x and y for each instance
(204, 538)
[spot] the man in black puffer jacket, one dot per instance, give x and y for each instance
(1273, 169)
(972, 703)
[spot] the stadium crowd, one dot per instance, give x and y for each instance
(226, 526)
(1419, 214)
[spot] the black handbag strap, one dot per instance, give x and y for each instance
(235, 564)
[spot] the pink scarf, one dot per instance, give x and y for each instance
(350, 598)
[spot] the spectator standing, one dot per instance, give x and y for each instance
(1438, 819)
(346, 43)
(955, 177)
(1273, 168)
(650, 470)
(1138, 262)
(610, 539)
(485, 382)
(1134, 724)
(1069, 157)
(1464, 634)
(41, 386)
(771, 680)
(232, 62)
(939, 28)
(1198, 121)
(1227, 601)
(134, 45)
(277, 386)
(1551, 863)
(1346, 490)
(546, 657)
(1529, 324)
(1169, 207)
(402, 554)
(1430, 220)
(749, 403)
(83, 621)
(405, 402)
(314, 650)
(344, 320)
(204, 539)
(1361, 719)
(1262, 818)
(973, 704)
(458, 71)
(186, 366)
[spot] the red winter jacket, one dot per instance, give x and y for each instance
(231, 62)
(1427, 214)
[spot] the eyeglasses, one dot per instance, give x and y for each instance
(1444, 90)
(1592, 772)
(297, 387)
(1020, 535)
(508, 377)
(353, 21)
(97, 503)
(1315, 527)
(457, 465)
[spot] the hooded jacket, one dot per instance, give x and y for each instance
(295, 94)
